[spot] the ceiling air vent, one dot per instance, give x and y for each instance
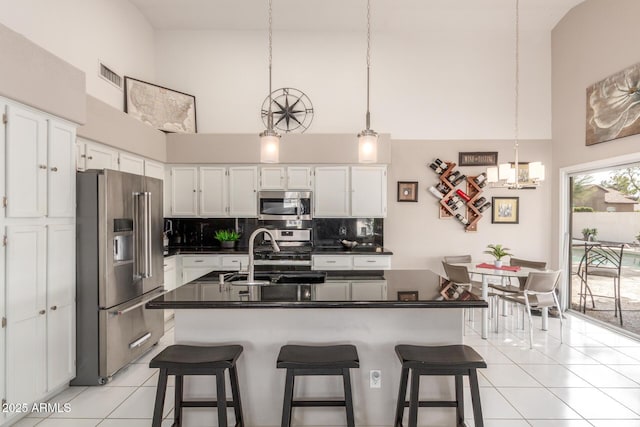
(111, 76)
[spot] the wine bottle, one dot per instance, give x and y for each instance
(481, 180)
(462, 219)
(453, 177)
(459, 179)
(484, 207)
(435, 192)
(442, 188)
(479, 202)
(463, 195)
(454, 202)
(438, 166)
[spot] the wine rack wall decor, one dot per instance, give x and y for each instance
(451, 199)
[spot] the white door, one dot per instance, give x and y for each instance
(243, 189)
(272, 178)
(299, 178)
(154, 169)
(61, 291)
(26, 313)
(213, 191)
(184, 187)
(61, 194)
(332, 291)
(332, 191)
(131, 164)
(375, 290)
(100, 157)
(368, 191)
(26, 163)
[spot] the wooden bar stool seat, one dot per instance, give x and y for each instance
(301, 360)
(180, 360)
(454, 360)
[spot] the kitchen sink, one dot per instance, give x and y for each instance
(284, 278)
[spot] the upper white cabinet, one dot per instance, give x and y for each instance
(368, 191)
(332, 191)
(243, 189)
(153, 169)
(286, 178)
(40, 173)
(131, 163)
(100, 156)
(356, 191)
(214, 191)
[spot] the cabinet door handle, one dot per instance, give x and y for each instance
(54, 308)
(331, 262)
(42, 166)
(371, 260)
(83, 156)
(194, 190)
(90, 157)
(42, 312)
(198, 260)
(54, 169)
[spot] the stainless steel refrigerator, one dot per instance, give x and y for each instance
(119, 267)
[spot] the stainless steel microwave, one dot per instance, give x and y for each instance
(284, 205)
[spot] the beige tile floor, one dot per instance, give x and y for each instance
(593, 379)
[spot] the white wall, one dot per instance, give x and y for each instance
(83, 31)
(418, 238)
(424, 85)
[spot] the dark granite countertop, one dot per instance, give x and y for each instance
(358, 250)
(208, 293)
(216, 250)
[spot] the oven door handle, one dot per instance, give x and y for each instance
(140, 341)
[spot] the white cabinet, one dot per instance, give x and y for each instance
(26, 163)
(368, 191)
(351, 262)
(364, 290)
(130, 163)
(170, 269)
(61, 293)
(243, 189)
(333, 290)
(153, 169)
(332, 191)
(40, 173)
(195, 266)
(61, 176)
(100, 157)
(184, 189)
(285, 178)
(213, 191)
(26, 313)
(235, 262)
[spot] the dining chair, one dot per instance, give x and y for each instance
(602, 261)
(539, 292)
(457, 259)
(459, 275)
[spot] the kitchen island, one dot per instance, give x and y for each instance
(207, 312)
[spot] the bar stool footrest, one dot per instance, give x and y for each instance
(310, 403)
(434, 404)
(205, 404)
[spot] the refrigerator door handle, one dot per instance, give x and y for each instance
(147, 235)
(136, 236)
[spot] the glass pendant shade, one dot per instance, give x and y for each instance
(269, 147)
(367, 146)
(503, 170)
(536, 171)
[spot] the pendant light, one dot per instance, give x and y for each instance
(269, 138)
(507, 174)
(368, 139)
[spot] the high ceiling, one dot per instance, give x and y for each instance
(350, 15)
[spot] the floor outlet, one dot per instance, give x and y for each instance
(375, 379)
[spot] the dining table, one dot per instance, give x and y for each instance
(505, 272)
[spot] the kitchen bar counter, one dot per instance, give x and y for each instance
(208, 314)
(206, 293)
(216, 250)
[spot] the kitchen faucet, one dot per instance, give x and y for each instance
(251, 276)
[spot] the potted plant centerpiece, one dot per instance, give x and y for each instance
(227, 238)
(498, 252)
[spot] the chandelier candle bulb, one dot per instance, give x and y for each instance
(463, 195)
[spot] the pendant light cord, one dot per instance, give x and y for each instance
(270, 113)
(368, 59)
(517, 92)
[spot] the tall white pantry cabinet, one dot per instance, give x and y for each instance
(37, 257)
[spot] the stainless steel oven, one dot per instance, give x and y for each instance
(295, 251)
(284, 205)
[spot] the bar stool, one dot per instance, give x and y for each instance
(301, 360)
(457, 360)
(180, 360)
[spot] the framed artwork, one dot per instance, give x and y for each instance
(407, 191)
(478, 158)
(407, 295)
(613, 108)
(505, 210)
(165, 109)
